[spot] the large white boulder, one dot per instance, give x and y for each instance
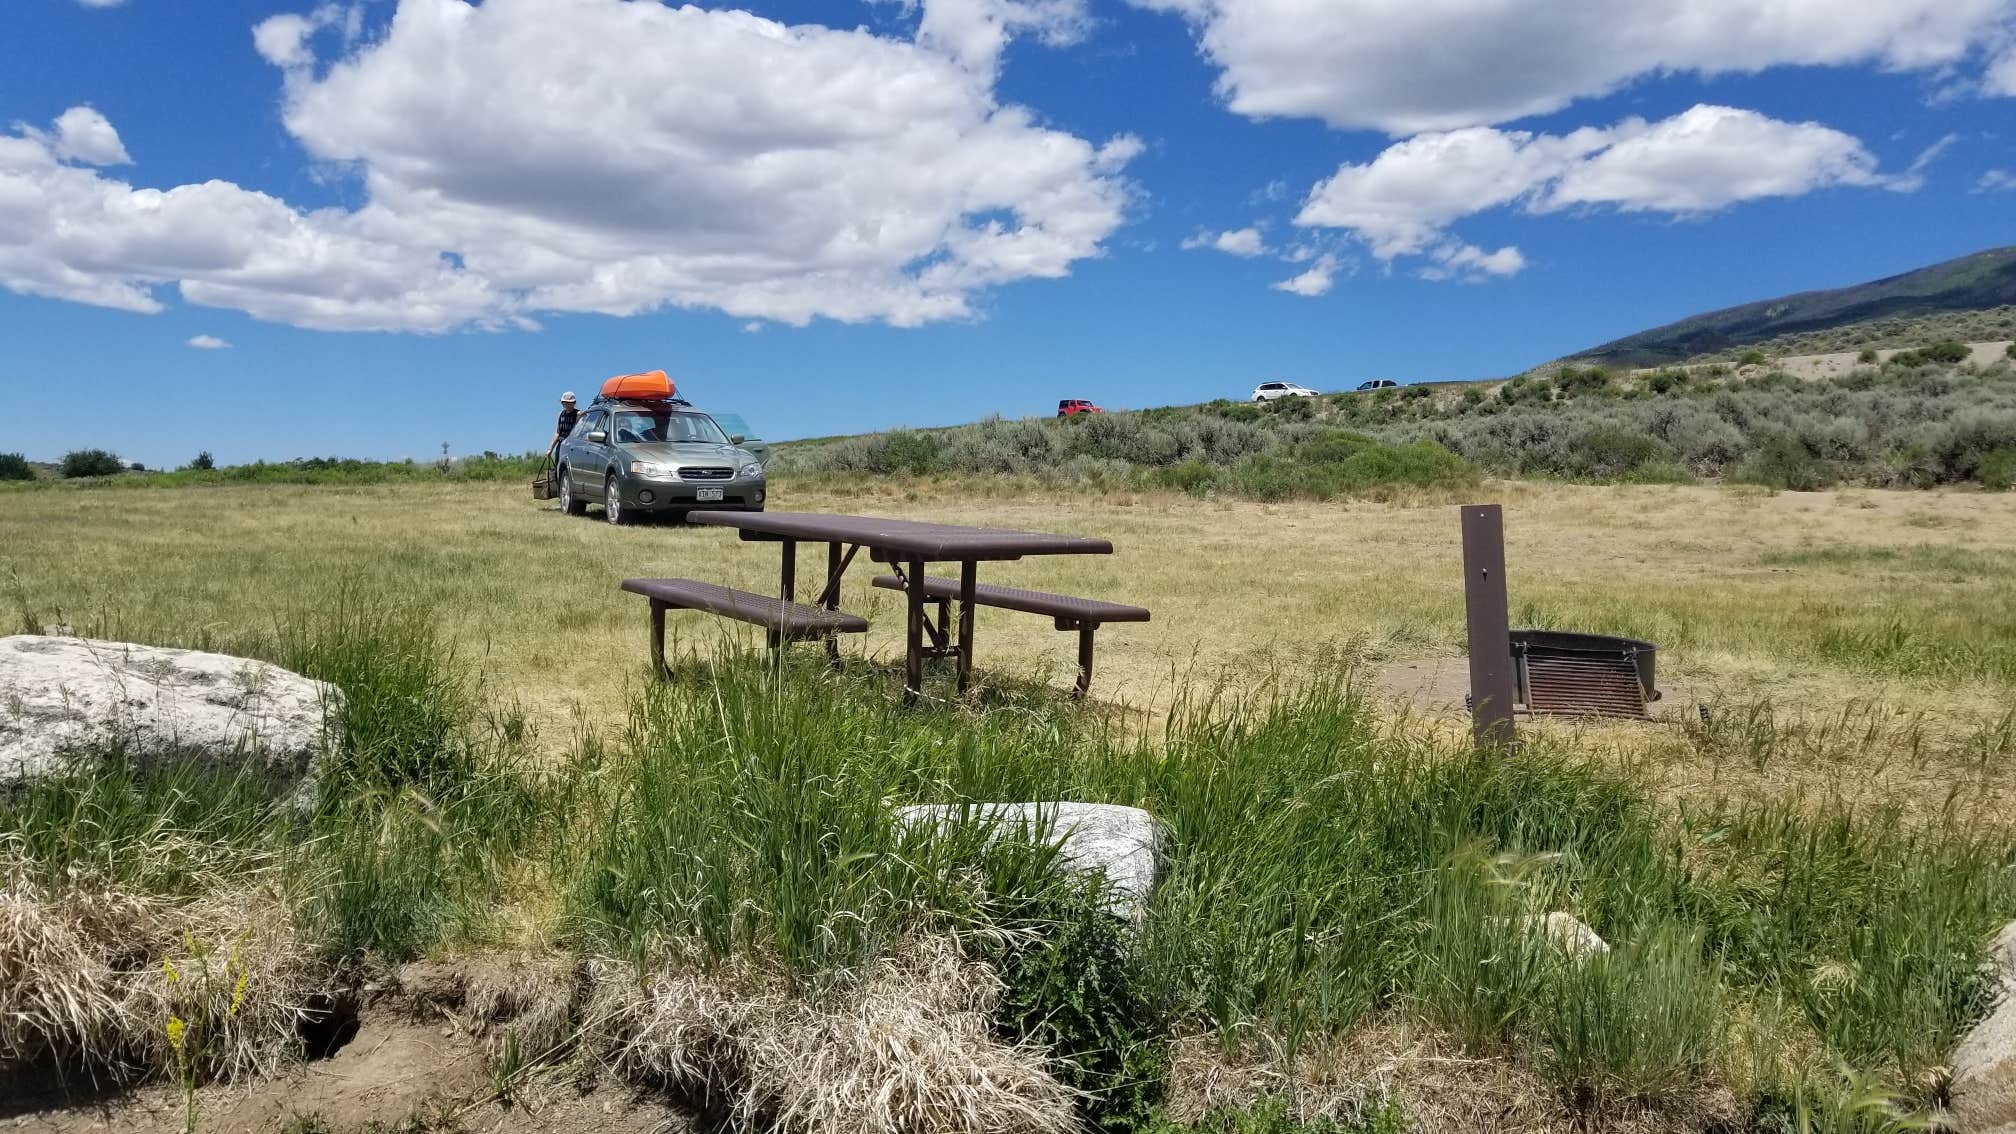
(1983, 1089)
(65, 699)
(1125, 844)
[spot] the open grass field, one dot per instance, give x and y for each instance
(1810, 603)
(695, 889)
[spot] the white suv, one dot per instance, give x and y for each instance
(1268, 391)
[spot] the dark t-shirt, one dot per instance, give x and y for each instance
(568, 416)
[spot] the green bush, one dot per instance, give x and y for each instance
(2009, 351)
(1666, 381)
(1947, 353)
(1577, 381)
(1192, 476)
(1998, 469)
(1868, 356)
(1339, 463)
(1077, 993)
(1293, 409)
(90, 462)
(1609, 452)
(1752, 358)
(908, 451)
(14, 466)
(1782, 462)
(204, 462)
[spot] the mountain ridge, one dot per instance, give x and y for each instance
(1977, 281)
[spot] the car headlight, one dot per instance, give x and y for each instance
(752, 470)
(653, 471)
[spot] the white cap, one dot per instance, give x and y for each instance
(568, 396)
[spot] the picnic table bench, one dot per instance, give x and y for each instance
(906, 544)
(1070, 613)
(784, 619)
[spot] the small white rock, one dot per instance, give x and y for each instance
(1126, 844)
(1570, 933)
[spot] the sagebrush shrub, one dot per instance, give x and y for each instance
(90, 462)
(14, 466)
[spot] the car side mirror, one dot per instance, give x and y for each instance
(736, 439)
(597, 436)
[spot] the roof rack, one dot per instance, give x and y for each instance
(673, 401)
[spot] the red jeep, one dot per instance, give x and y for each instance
(1072, 407)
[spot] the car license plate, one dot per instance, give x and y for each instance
(707, 494)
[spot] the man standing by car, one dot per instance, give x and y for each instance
(568, 416)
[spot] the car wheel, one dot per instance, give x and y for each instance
(612, 503)
(570, 504)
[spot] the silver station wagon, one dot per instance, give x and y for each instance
(655, 457)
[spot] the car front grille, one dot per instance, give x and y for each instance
(706, 474)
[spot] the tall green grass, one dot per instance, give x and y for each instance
(1326, 873)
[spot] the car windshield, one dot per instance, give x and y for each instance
(643, 427)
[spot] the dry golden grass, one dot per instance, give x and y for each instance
(105, 981)
(907, 1048)
(1807, 601)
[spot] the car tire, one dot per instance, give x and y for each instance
(612, 503)
(570, 504)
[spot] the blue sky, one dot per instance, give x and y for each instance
(417, 222)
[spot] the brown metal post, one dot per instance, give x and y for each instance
(658, 639)
(1487, 611)
(968, 575)
(831, 593)
(1085, 632)
(913, 634)
(787, 587)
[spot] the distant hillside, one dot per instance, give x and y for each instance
(1971, 283)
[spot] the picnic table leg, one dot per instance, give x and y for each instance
(1085, 632)
(832, 594)
(658, 640)
(968, 570)
(787, 587)
(913, 634)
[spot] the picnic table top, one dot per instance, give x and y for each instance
(903, 537)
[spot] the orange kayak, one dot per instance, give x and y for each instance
(652, 385)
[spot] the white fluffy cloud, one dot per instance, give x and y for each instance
(527, 156)
(1996, 181)
(84, 135)
(1457, 260)
(1314, 282)
(974, 32)
(1242, 242)
(1402, 202)
(1404, 66)
(208, 342)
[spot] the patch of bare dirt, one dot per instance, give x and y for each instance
(396, 1075)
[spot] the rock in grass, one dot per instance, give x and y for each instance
(1984, 1065)
(1568, 933)
(63, 700)
(1126, 845)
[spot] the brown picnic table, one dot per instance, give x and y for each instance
(907, 545)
